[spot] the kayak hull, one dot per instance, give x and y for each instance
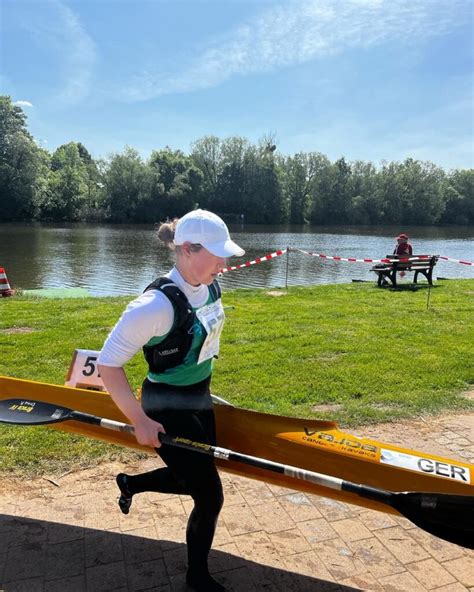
(313, 445)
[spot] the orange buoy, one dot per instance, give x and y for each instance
(5, 289)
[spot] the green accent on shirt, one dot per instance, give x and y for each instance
(189, 371)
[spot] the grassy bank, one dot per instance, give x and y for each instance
(353, 353)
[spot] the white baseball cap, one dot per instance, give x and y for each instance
(207, 229)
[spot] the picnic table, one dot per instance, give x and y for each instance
(387, 270)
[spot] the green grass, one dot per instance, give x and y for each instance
(372, 355)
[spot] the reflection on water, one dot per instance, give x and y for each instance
(113, 260)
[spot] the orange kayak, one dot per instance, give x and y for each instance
(318, 446)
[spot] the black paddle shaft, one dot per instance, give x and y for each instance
(450, 517)
(222, 453)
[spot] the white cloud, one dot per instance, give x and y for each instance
(60, 30)
(80, 55)
(298, 32)
(23, 103)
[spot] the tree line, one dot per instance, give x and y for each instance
(233, 177)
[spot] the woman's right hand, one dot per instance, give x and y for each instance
(147, 430)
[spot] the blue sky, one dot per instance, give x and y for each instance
(364, 79)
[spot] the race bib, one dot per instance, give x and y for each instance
(212, 318)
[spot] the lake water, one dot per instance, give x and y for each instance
(113, 260)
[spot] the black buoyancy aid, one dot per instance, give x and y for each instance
(172, 351)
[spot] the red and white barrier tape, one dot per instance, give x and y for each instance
(354, 260)
(457, 260)
(337, 258)
(255, 261)
(386, 260)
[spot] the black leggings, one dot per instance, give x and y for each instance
(188, 473)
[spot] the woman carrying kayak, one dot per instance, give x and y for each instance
(177, 321)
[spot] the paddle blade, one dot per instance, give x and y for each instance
(449, 517)
(21, 411)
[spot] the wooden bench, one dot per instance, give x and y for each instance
(387, 272)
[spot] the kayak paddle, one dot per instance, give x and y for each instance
(449, 517)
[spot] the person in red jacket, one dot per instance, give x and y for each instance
(403, 247)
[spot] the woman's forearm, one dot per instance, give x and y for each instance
(116, 383)
(146, 429)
